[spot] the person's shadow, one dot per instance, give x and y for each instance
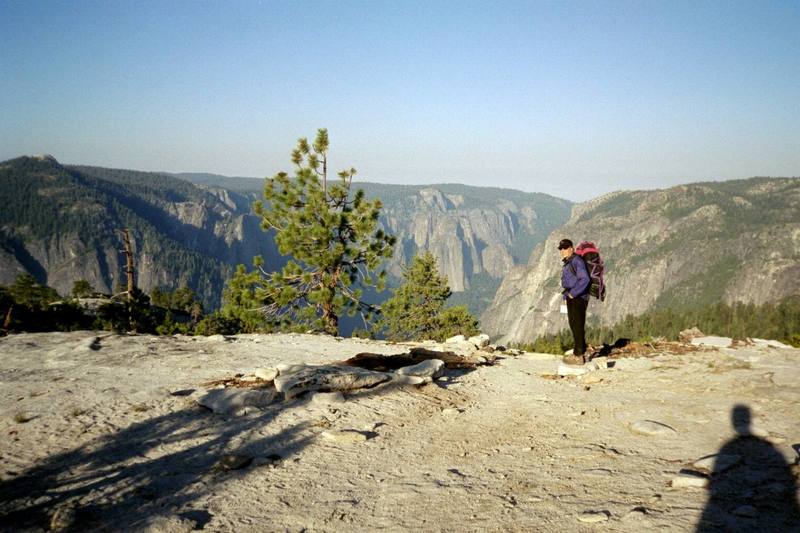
(752, 487)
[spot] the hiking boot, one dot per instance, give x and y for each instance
(574, 359)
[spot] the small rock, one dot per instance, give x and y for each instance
(327, 398)
(591, 379)
(92, 343)
(689, 480)
(64, 518)
(746, 511)
(409, 380)
(430, 368)
(717, 463)
(225, 401)
(479, 340)
(172, 524)
(450, 411)
(234, 462)
(344, 435)
(267, 374)
(593, 517)
(457, 338)
(688, 334)
(571, 370)
(651, 428)
(286, 369)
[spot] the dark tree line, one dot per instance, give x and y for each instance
(779, 320)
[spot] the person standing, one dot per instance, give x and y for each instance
(575, 281)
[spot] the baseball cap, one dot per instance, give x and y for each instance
(564, 244)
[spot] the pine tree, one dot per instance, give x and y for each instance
(417, 310)
(82, 289)
(333, 240)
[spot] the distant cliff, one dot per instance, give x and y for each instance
(682, 247)
(60, 223)
(477, 233)
(192, 229)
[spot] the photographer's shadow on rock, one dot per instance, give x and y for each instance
(752, 487)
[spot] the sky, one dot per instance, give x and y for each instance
(573, 99)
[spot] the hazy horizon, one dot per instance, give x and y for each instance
(569, 99)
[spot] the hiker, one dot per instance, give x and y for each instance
(575, 281)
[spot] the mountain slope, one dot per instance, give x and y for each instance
(477, 233)
(63, 220)
(61, 224)
(681, 247)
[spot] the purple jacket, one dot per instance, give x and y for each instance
(575, 278)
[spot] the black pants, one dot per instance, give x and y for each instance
(576, 312)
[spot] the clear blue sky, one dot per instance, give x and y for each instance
(573, 99)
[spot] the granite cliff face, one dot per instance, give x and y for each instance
(477, 233)
(63, 224)
(686, 246)
(469, 235)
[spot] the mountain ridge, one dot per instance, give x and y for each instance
(213, 227)
(688, 245)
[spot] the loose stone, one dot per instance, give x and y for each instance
(267, 374)
(430, 368)
(345, 436)
(687, 480)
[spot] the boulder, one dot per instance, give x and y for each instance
(714, 342)
(456, 339)
(285, 368)
(328, 378)
(267, 374)
(771, 344)
(688, 334)
(432, 368)
(479, 340)
(409, 380)
(565, 369)
(226, 401)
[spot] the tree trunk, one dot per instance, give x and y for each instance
(330, 320)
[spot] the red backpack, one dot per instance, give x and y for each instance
(594, 266)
